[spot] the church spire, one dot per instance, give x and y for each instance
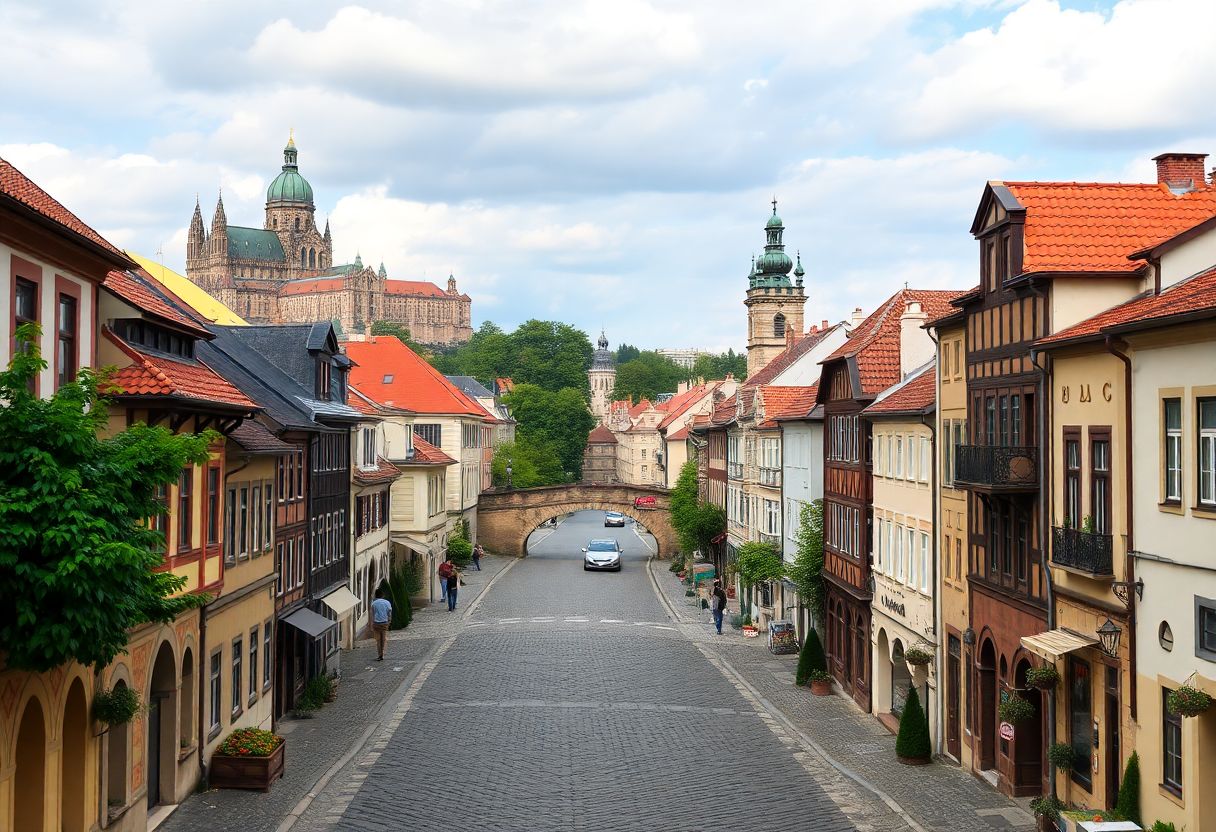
(220, 220)
(196, 238)
(383, 273)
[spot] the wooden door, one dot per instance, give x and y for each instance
(1111, 740)
(953, 680)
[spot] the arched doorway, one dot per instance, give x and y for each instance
(901, 679)
(73, 756)
(1028, 740)
(29, 784)
(882, 674)
(985, 705)
(186, 711)
(118, 740)
(861, 660)
(162, 734)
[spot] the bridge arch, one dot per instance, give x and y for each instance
(505, 518)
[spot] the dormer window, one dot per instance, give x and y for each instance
(147, 335)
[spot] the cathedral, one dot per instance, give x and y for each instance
(283, 272)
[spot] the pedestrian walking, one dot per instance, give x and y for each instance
(448, 574)
(477, 553)
(382, 614)
(719, 605)
(453, 588)
(445, 572)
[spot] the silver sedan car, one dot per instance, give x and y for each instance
(602, 554)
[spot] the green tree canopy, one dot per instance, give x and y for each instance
(759, 562)
(626, 352)
(696, 523)
(531, 465)
(548, 354)
(401, 333)
(77, 556)
(557, 420)
(807, 569)
(646, 376)
(718, 366)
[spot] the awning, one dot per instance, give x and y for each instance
(412, 545)
(341, 600)
(1053, 644)
(307, 621)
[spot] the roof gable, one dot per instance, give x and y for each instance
(390, 373)
(787, 357)
(19, 188)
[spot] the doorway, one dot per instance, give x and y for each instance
(29, 783)
(1111, 738)
(953, 679)
(986, 706)
(162, 728)
(1028, 741)
(73, 755)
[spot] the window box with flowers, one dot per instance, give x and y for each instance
(248, 758)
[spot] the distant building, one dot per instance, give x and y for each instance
(284, 272)
(685, 358)
(774, 303)
(602, 376)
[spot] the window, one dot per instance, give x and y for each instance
(214, 686)
(243, 523)
(1015, 420)
(924, 459)
(184, 520)
(230, 526)
(25, 310)
(1080, 719)
(924, 562)
(899, 553)
(324, 369)
(1171, 747)
(213, 506)
(268, 515)
(1205, 628)
(1207, 451)
(990, 419)
(66, 341)
(279, 566)
(237, 648)
(267, 655)
(1072, 482)
(253, 664)
(899, 456)
(779, 326)
(431, 433)
(1099, 451)
(369, 448)
(1173, 450)
(255, 520)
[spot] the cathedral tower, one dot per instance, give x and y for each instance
(774, 303)
(602, 376)
(291, 214)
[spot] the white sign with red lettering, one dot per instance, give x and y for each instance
(1006, 731)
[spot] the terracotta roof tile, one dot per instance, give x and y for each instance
(149, 375)
(256, 438)
(677, 406)
(639, 408)
(414, 287)
(725, 410)
(18, 186)
(147, 294)
(786, 357)
(384, 471)
(390, 373)
(601, 436)
(427, 454)
(679, 435)
(913, 396)
(1195, 295)
(786, 403)
(1094, 227)
(313, 285)
(874, 344)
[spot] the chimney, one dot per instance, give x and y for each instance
(1181, 172)
(790, 337)
(824, 326)
(857, 318)
(915, 346)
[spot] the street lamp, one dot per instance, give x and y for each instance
(1109, 634)
(508, 472)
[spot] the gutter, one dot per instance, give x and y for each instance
(1116, 348)
(935, 493)
(1045, 438)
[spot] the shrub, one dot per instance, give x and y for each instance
(1162, 826)
(1061, 756)
(913, 741)
(318, 691)
(1187, 701)
(460, 551)
(1128, 804)
(1015, 709)
(917, 656)
(736, 621)
(1046, 806)
(397, 591)
(758, 563)
(250, 742)
(117, 706)
(820, 676)
(810, 659)
(1044, 678)
(677, 565)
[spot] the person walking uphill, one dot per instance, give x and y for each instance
(719, 605)
(382, 614)
(477, 553)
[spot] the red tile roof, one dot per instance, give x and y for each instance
(147, 294)
(639, 408)
(390, 373)
(782, 360)
(308, 287)
(1195, 296)
(914, 396)
(384, 471)
(786, 403)
(504, 384)
(1093, 227)
(601, 436)
(725, 410)
(427, 454)
(158, 376)
(414, 287)
(677, 406)
(679, 435)
(18, 186)
(874, 344)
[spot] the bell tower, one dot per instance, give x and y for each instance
(602, 377)
(775, 304)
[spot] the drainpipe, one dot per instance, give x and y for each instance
(935, 496)
(1045, 442)
(1116, 348)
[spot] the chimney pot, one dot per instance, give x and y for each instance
(824, 325)
(1181, 172)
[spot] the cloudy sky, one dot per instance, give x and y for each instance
(603, 162)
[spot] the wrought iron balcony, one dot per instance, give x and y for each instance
(997, 467)
(770, 476)
(1083, 551)
(734, 470)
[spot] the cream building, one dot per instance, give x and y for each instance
(372, 476)
(602, 377)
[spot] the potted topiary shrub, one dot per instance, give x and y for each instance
(810, 658)
(1187, 701)
(1061, 755)
(1045, 677)
(917, 656)
(1047, 811)
(1128, 805)
(821, 683)
(912, 745)
(248, 758)
(117, 706)
(1015, 709)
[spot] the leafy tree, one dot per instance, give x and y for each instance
(531, 465)
(718, 366)
(460, 550)
(625, 353)
(77, 555)
(913, 743)
(759, 562)
(551, 355)
(401, 333)
(1128, 805)
(696, 523)
(810, 658)
(646, 376)
(557, 420)
(807, 569)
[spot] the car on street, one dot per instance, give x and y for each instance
(614, 518)
(602, 554)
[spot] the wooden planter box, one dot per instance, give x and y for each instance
(821, 688)
(247, 772)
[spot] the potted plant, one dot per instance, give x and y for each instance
(1047, 810)
(1045, 677)
(1061, 755)
(917, 656)
(912, 744)
(1015, 709)
(1187, 701)
(248, 758)
(736, 621)
(750, 630)
(821, 682)
(117, 706)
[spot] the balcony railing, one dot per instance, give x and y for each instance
(771, 539)
(997, 467)
(770, 476)
(734, 470)
(1083, 551)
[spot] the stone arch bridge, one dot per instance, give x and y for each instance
(505, 518)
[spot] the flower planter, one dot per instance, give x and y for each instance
(247, 772)
(750, 631)
(823, 688)
(730, 592)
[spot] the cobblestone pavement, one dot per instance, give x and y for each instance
(570, 701)
(937, 797)
(365, 696)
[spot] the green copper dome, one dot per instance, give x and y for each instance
(772, 268)
(290, 186)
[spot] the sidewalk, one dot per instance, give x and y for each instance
(366, 694)
(939, 797)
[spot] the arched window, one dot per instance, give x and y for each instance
(186, 711)
(312, 258)
(274, 223)
(297, 223)
(779, 326)
(303, 257)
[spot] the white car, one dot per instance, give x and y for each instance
(614, 518)
(602, 554)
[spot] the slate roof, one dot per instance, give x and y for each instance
(725, 411)
(874, 344)
(427, 454)
(915, 394)
(600, 435)
(470, 386)
(782, 360)
(390, 373)
(1094, 226)
(148, 295)
(1190, 299)
(256, 438)
(287, 346)
(156, 375)
(254, 244)
(19, 188)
